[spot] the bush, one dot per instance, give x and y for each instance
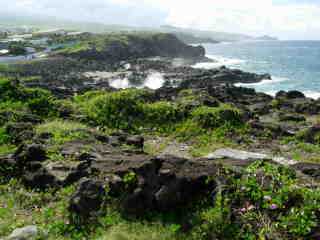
(213, 117)
(8, 90)
(265, 203)
(122, 110)
(4, 138)
(161, 113)
(40, 102)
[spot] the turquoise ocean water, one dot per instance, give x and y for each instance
(294, 65)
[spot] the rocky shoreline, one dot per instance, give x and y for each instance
(218, 161)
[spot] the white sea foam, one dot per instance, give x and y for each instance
(271, 93)
(154, 80)
(120, 83)
(219, 61)
(312, 94)
(263, 82)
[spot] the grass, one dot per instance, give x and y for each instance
(7, 149)
(48, 210)
(241, 209)
(30, 78)
(63, 131)
(302, 151)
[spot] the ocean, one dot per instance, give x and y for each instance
(293, 65)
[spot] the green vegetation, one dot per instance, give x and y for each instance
(134, 109)
(262, 209)
(208, 117)
(63, 131)
(262, 201)
(103, 42)
(246, 208)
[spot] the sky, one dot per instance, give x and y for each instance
(287, 19)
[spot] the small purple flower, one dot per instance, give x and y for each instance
(273, 206)
(243, 210)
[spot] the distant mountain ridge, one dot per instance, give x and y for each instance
(187, 35)
(267, 38)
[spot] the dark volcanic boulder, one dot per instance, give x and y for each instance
(311, 135)
(166, 183)
(291, 117)
(30, 153)
(88, 198)
(295, 94)
(290, 94)
(137, 141)
(203, 78)
(36, 176)
(310, 169)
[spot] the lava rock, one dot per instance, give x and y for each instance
(37, 177)
(295, 94)
(310, 169)
(25, 233)
(137, 141)
(88, 198)
(30, 153)
(310, 135)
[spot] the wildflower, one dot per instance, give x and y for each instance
(273, 206)
(243, 210)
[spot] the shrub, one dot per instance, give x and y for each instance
(213, 117)
(42, 106)
(161, 113)
(8, 90)
(122, 110)
(4, 138)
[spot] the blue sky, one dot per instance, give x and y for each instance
(287, 19)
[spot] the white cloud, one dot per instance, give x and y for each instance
(287, 20)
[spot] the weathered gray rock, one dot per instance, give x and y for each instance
(236, 154)
(244, 156)
(310, 169)
(25, 233)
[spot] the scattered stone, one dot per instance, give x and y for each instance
(167, 182)
(291, 117)
(295, 94)
(249, 157)
(25, 233)
(290, 94)
(36, 176)
(236, 154)
(137, 141)
(310, 169)
(88, 198)
(311, 135)
(30, 153)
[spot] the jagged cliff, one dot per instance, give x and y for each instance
(117, 47)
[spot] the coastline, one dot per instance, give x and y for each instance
(279, 82)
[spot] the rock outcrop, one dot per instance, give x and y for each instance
(116, 48)
(88, 198)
